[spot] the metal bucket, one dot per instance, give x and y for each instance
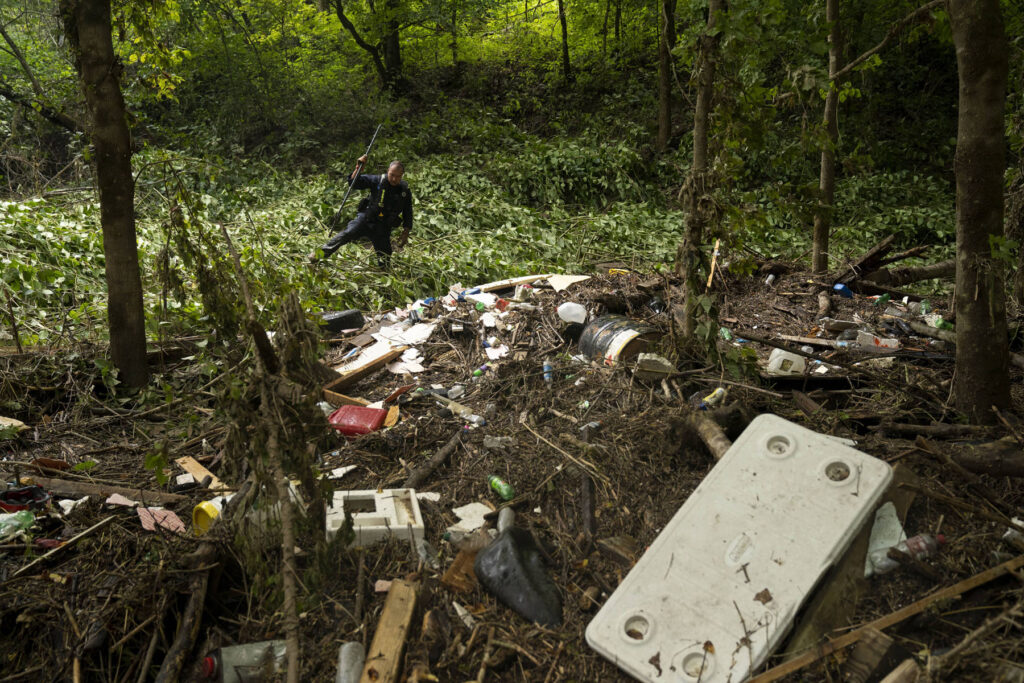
(611, 339)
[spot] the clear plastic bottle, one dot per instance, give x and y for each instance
(12, 523)
(247, 662)
(918, 547)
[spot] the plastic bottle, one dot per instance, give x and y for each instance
(572, 312)
(919, 547)
(246, 662)
(13, 522)
(501, 487)
(548, 371)
(725, 333)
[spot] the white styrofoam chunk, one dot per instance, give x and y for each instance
(376, 514)
(719, 587)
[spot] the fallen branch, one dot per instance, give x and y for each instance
(420, 474)
(711, 434)
(896, 277)
(71, 542)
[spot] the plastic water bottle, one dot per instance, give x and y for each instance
(245, 662)
(12, 523)
(918, 547)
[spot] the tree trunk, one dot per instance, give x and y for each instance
(566, 67)
(827, 180)
(667, 21)
(392, 47)
(87, 23)
(695, 189)
(455, 33)
(982, 358)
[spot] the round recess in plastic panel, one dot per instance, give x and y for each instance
(779, 445)
(637, 627)
(696, 663)
(838, 472)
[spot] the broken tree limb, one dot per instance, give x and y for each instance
(710, 433)
(935, 431)
(188, 625)
(909, 253)
(868, 262)
(888, 620)
(896, 277)
(1002, 458)
(420, 474)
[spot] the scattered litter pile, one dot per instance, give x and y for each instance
(527, 481)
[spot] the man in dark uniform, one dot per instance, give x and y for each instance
(388, 204)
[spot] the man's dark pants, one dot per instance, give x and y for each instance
(361, 226)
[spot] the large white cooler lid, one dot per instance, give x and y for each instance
(720, 586)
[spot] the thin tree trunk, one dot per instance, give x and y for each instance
(667, 22)
(566, 67)
(827, 179)
(455, 33)
(604, 29)
(392, 47)
(87, 23)
(688, 254)
(981, 346)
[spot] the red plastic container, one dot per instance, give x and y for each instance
(356, 420)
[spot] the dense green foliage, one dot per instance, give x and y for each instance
(250, 115)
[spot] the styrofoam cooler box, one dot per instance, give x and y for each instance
(719, 587)
(377, 514)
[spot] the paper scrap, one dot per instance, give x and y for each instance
(67, 505)
(471, 517)
(496, 352)
(487, 299)
(151, 517)
(118, 499)
(400, 334)
(488, 319)
(561, 282)
(186, 478)
(382, 586)
(432, 496)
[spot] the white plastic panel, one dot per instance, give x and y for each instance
(376, 514)
(718, 589)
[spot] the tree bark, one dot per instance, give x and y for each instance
(378, 63)
(392, 47)
(827, 179)
(665, 40)
(695, 189)
(566, 66)
(982, 358)
(87, 23)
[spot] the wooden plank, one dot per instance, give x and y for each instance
(355, 372)
(888, 620)
(384, 658)
(193, 467)
(460, 576)
(810, 341)
(337, 400)
(65, 487)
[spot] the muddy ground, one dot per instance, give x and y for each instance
(109, 606)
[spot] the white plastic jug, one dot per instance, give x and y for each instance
(572, 312)
(782, 362)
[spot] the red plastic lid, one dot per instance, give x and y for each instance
(209, 667)
(941, 538)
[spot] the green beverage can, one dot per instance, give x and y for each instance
(501, 487)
